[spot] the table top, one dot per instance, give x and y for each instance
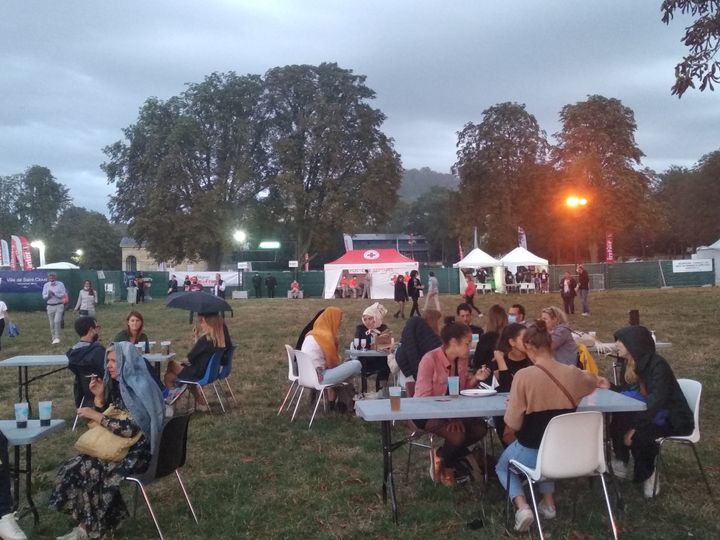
(658, 345)
(158, 357)
(35, 360)
(378, 410)
(29, 435)
(357, 352)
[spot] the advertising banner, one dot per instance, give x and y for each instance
(26, 257)
(4, 253)
(207, 279)
(23, 282)
(692, 265)
(14, 245)
(609, 252)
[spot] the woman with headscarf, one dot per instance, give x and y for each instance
(372, 326)
(650, 376)
(88, 488)
(321, 343)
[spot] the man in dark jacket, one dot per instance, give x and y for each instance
(257, 285)
(583, 289)
(270, 284)
(86, 358)
(668, 413)
(417, 339)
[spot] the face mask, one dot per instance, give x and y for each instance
(512, 318)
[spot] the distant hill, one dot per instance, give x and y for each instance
(415, 182)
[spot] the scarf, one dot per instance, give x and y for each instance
(377, 311)
(325, 332)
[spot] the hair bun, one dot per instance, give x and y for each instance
(541, 325)
(450, 319)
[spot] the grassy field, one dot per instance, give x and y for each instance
(252, 474)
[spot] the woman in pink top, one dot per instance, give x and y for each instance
(450, 359)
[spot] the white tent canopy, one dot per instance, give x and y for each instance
(477, 258)
(522, 257)
(59, 266)
(710, 252)
(381, 264)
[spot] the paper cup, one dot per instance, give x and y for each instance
(45, 412)
(454, 386)
(395, 395)
(22, 411)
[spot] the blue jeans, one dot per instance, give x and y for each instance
(584, 300)
(526, 456)
(341, 372)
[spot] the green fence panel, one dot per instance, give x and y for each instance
(448, 278)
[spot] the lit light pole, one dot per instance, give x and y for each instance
(575, 202)
(240, 236)
(40, 245)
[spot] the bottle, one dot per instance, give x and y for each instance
(652, 333)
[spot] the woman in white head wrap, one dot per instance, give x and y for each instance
(371, 327)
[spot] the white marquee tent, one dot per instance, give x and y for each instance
(522, 257)
(477, 258)
(710, 252)
(381, 263)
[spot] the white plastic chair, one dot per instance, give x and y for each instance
(691, 390)
(571, 447)
(292, 377)
(308, 378)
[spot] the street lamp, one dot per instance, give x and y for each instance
(79, 252)
(240, 236)
(576, 202)
(40, 245)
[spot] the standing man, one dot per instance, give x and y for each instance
(219, 287)
(3, 315)
(433, 291)
(172, 285)
(583, 289)
(140, 284)
(567, 292)
(257, 285)
(270, 283)
(367, 284)
(54, 295)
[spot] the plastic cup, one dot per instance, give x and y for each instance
(395, 395)
(22, 411)
(454, 386)
(165, 347)
(140, 348)
(45, 412)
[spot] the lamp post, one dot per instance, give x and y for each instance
(40, 246)
(575, 202)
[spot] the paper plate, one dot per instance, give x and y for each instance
(478, 392)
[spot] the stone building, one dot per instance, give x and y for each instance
(136, 258)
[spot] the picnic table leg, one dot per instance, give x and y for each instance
(388, 479)
(16, 478)
(619, 501)
(20, 384)
(28, 483)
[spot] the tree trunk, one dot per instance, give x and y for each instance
(594, 252)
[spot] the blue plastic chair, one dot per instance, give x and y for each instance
(225, 372)
(210, 376)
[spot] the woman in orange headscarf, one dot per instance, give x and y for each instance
(321, 343)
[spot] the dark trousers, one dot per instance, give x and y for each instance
(2, 329)
(6, 500)
(569, 304)
(644, 449)
(470, 300)
(140, 296)
(415, 308)
(271, 292)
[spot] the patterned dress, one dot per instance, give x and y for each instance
(88, 488)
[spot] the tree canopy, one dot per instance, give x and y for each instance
(702, 38)
(90, 231)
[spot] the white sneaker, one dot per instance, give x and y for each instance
(524, 519)
(9, 528)
(56, 341)
(619, 468)
(649, 485)
(585, 314)
(547, 512)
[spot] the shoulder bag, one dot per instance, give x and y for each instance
(100, 442)
(560, 386)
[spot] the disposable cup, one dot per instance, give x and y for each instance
(22, 411)
(45, 412)
(395, 394)
(165, 347)
(454, 386)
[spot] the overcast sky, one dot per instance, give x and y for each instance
(73, 74)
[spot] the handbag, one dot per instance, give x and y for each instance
(83, 312)
(100, 442)
(13, 330)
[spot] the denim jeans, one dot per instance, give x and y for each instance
(584, 300)
(526, 456)
(6, 500)
(55, 314)
(341, 372)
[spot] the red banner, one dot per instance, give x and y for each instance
(609, 253)
(14, 254)
(26, 257)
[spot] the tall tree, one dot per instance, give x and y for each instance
(598, 158)
(41, 202)
(499, 162)
(702, 37)
(188, 166)
(332, 167)
(90, 231)
(11, 188)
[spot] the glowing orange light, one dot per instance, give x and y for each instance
(574, 202)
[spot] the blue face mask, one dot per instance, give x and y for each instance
(512, 318)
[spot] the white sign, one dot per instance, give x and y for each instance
(693, 265)
(244, 266)
(207, 279)
(292, 264)
(371, 255)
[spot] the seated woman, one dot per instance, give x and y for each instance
(321, 344)
(510, 357)
(495, 320)
(213, 338)
(563, 345)
(668, 413)
(450, 359)
(134, 331)
(372, 326)
(88, 488)
(420, 336)
(538, 393)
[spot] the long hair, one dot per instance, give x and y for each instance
(496, 319)
(137, 314)
(432, 317)
(511, 331)
(215, 331)
(92, 291)
(556, 313)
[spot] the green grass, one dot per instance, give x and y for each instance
(252, 474)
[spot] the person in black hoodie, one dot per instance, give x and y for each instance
(668, 413)
(85, 358)
(418, 338)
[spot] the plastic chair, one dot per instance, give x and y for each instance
(292, 377)
(308, 378)
(225, 371)
(571, 447)
(691, 390)
(168, 458)
(209, 377)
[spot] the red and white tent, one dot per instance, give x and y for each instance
(382, 264)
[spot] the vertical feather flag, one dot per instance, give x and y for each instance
(26, 257)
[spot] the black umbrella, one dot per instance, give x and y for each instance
(198, 302)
